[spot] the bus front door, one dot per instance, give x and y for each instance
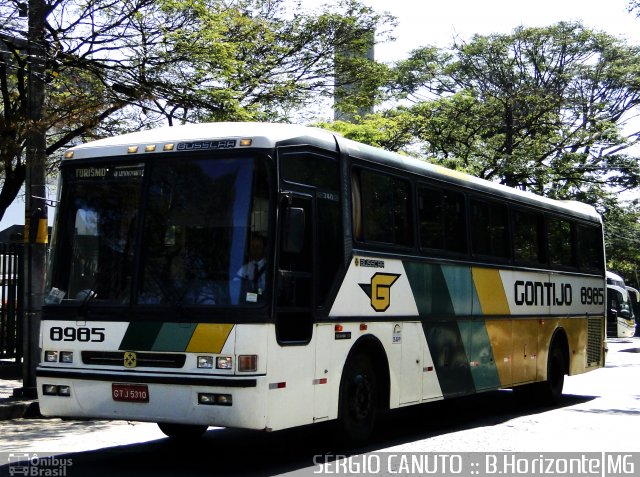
(294, 295)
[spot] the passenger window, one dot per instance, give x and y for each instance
(385, 208)
(590, 253)
(528, 236)
(560, 242)
(489, 233)
(442, 220)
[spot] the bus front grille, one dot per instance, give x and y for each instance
(594, 341)
(146, 360)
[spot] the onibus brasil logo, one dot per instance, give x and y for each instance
(379, 290)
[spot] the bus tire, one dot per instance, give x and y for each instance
(182, 431)
(358, 399)
(550, 391)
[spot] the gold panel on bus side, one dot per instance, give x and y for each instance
(525, 350)
(500, 333)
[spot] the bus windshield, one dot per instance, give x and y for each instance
(176, 232)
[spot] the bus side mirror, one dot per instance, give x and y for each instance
(294, 225)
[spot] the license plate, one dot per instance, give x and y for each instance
(130, 392)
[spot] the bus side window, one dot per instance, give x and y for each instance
(489, 232)
(386, 208)
(560, 239)
(528, 237)
(443, 223)
(356, 206)
(590, 254)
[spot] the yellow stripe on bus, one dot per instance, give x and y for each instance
(488, 283)
(209, 338)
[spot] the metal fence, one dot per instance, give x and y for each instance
(11, 307)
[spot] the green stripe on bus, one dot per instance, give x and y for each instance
(460, 285)
(449, 357)
(140, 336)
(479, 354)
(174, 337)
(429, 289)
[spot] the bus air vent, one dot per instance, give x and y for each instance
(594, 341)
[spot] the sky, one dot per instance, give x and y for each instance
(438, 22)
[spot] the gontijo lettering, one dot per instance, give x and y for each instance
(533, 293)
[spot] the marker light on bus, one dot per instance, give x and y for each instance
(132, 149)
(247, 363)
(205, 362)
(168, 147)
(150, 148)
(66, 356)
(246, 142)
(51, 356)
(224, 362)
(68, 155)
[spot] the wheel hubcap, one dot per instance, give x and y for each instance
(361, 398)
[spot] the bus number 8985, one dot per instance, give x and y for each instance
(77, 334)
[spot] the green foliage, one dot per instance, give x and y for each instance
(549, 110)
(541, 109)
(386, 131)
(116, 66)
(622, 238)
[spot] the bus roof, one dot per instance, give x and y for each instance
(614, 277)
(270, 135)
(622, 291)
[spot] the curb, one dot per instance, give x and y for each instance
(17, 409)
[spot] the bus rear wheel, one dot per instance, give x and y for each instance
(182, 431)
(358, 399)
(550, 391)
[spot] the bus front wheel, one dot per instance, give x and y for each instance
(182, 431)
(358, 399)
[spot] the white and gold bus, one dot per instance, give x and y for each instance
(266, 276)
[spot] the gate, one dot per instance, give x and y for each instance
(11, 308)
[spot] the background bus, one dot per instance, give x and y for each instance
(385, 282)
(634, 298)
(621, 321)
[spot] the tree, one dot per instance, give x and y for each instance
(119, 65)
(622, 234)
(550, 110)
(542, 109)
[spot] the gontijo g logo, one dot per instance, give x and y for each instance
(379, 290)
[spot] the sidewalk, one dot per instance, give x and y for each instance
(15, 408)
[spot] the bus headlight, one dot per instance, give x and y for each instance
(224, 362)
(205, 362)
(51, 356)
(66, 356)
